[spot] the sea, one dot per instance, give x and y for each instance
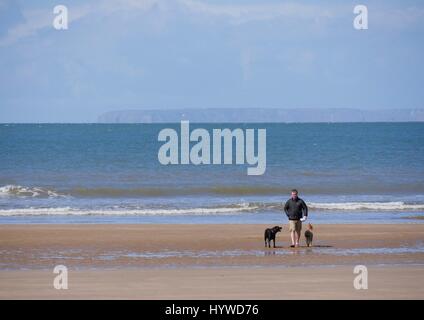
(110, 173)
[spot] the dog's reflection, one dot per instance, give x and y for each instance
(308, 250)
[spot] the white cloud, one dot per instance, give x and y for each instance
(41, 19)
(36, 20)
(257, 12)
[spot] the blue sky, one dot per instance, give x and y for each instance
(129, 54)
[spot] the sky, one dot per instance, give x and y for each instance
(163, 54)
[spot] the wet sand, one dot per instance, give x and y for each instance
(217, 283)
(209, 261)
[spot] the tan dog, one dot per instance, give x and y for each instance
(309, 235)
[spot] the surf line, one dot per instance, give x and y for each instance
(200, 152)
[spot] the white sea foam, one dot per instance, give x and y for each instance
(229, 209)
(21, 191)
(124, 212)
(354, 206)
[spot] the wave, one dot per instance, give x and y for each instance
(345, 206)
(353, 206)
(174, 191)
(20, 191)
(187, 191)
(99, 192)
(228, 209)
(380, 206)
(64, 211)
(214, 190)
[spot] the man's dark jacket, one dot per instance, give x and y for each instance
(295, 209)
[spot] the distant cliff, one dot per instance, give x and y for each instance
(262, 115)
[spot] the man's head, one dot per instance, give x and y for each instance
(294, 194)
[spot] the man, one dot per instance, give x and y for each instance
(297, 212)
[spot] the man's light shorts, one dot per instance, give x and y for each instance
(295, 225)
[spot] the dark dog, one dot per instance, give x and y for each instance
(309, 235)
(270, 235)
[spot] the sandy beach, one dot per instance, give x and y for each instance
(209, 262)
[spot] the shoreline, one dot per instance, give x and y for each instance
(145, 245)
(333, 218)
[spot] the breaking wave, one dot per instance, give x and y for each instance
(378, 206)
(228, 209)
(176, 191)
(127, 212)
(20, 191)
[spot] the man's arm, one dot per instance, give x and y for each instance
(286, 208)
(304, 208)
